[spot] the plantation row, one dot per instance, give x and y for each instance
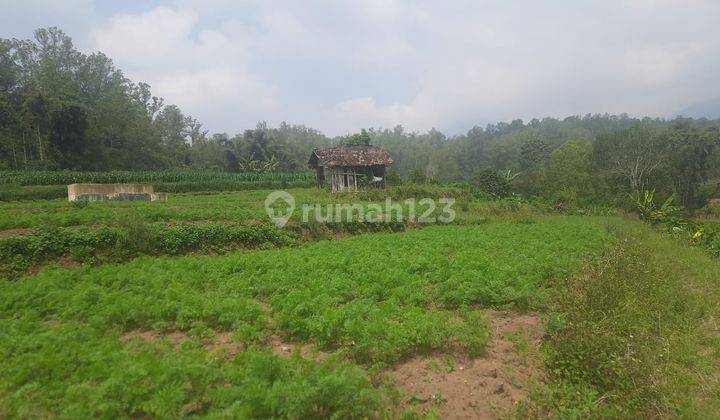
(35, 233)
(24, 178)
(234, 206)
(87, 245)
(49, 192)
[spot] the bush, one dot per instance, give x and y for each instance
(492, 182)
(393, 178)
(417, 176)
(625, 341)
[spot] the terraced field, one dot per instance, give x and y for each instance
(508, 311)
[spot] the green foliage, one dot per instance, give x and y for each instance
(60, 330)
(36, 185)
(669, 217)
(393, 178)
(534, 154)
(359, 139)
(491, 182)
(667, 214)
(626, 340)
(417, 176)
(128, 238)
(420, 191)
(119, 177)
(64, 109)
(76, 370)
(35, 192)
(707, 235)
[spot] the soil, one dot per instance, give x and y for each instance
(284, 348)
(69, 263)
(485, 387)
(175, 337)
(224, 343)
(13, 232)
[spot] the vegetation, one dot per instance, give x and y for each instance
(606, 226)
(405, 303)
(24, 178)
(604, 282)
(28, 185)
(62, 109)
(632, 333)
(37, 232)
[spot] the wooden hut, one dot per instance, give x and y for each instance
(341, 166)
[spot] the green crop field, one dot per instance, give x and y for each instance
(340, 229)
(23, 185)
(199, 306)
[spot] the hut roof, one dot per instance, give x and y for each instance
(350, 156)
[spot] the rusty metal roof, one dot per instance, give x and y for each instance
(350, 156)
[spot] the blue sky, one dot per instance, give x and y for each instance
(339, 66)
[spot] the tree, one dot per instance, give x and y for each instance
(688, 162)
(171, 124)
(60, 107)
(492, 182)
(67, 138)
(569, 174)
(358, 139)
(634, 154)
(534, 154)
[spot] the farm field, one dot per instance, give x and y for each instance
(22, 185)
(374, 210)
(34, 233)
(508, 311)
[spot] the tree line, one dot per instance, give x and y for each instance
(63, 109)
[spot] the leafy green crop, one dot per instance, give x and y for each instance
(111, 177)
(368, 299)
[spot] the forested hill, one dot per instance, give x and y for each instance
(62, 109)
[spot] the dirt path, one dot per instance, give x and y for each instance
(483, 387)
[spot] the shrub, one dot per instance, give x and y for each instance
(492, 182)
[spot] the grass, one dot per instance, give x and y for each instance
(371, 301)
(635, 332)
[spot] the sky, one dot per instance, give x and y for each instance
(339, 66)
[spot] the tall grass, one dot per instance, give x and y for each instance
(635, 333)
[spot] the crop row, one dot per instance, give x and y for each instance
(376, 299)
(132, 237)
(70, 177)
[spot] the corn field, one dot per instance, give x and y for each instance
(70, 177)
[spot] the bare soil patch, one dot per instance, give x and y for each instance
(69, 263)
(483, 387)
(225, 344)
(284, 348)
(175, 337)
(14, 232)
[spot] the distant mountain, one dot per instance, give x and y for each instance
(709, 109)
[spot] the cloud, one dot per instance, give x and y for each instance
(340, 66)
(20, 18)
(202, 70)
